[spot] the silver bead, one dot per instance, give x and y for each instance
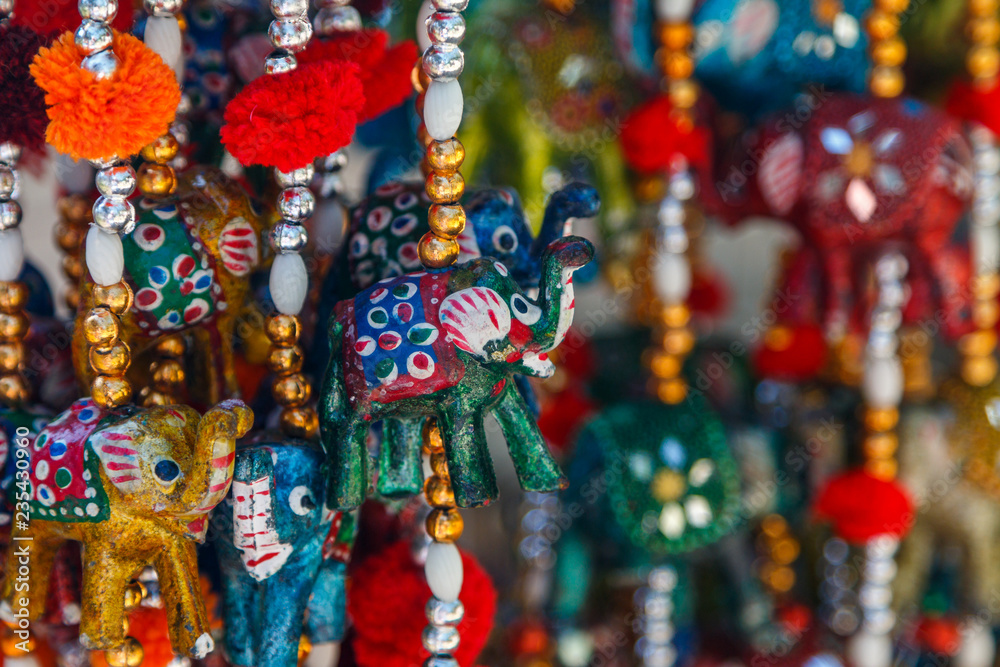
(446, 27)
(114, 214)
(337, 19)
(442, 639)
(440, 661)
(93, 37)
(279, 62)
(287, 237)
(185, 105)
(290, 34)
(450, 5)
(102, 64)
(10, 153)
(296, 203)
(8, 182)
(116, 181)
(320, 4)
(682, 185)
(663, 579)
(440, 612)
(98, 10)
(162, 7)
(286, 9)
(301, 176)
(443, 62)
(10, 215)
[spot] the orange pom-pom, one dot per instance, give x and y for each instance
(93, 119)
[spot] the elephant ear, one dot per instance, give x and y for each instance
(780, 175)
(118, 450)
(473, 318)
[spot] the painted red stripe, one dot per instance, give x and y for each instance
(114, 465)
(262, 559)
(118, 436)
(118, 451)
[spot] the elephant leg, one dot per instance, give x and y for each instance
(106, 575)
(241, 597)
(469, 462)
(328, 605)
(914, 563)
(187, 620)
(535, 467)
(30, 591)
(288, 598)
(343, 433)
(209, 351)
(400, 468)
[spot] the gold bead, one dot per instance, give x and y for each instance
(445, 156)
(167, 373)
(446, 187)
(986, 286)
(446, 220)
(880, 445)
(886, 82)
(171, 347)
(983, 61)
(162, 149)
(444, 524)
(430, 435)
(677, 65)
(439, 464)
(882, 468)
(153, 398)
(881, 25)
(76, 209)
(889, 52)
(418, 79)
(117, 298)
(774, 526)
(985, 313)
(101, 327)
(112, 360)
(781, 579)
(664, 365)
(72, 299)
(111, 391)
(785, 551)
(285, 360)
(13, 389)
(825, 11)
(671, 391)
(892, 6)
(676, 36)
(683, 94)
(69, 237)
(283, 329)
(300, 422)
(437, 252)
(156, 180)
(11, 356)
(978, 343)
(129, 654)
(134, 593)
(13, 326)
(675, 315)
(291, 390)
(678, 341)
(982, 7)
(881, 419)
(72, 266)
(979, 371)
(438, 492)
(984, 30)
(13, 296)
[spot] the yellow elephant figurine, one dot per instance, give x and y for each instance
(135, 487)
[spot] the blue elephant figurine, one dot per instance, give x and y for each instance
(282, 554)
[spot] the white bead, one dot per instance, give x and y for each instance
(865, 649)
(443, 105)
(977, 650)
(673, 11)
(289, 283)
(985, 241)
(11, 254)
(443, 569)
(672, 278)
(423, 39)
(882, 386)
(105, 257)
(163, 35)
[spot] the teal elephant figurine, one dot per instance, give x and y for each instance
(283, 555)
(135, 486)
(444, 344)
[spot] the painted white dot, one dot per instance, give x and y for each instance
(42, 470)
(62, 510)
(92, 509)
(91, 492)
(86, 475)
(78, 511)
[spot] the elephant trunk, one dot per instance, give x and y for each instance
(576, 200)
(254, 526)
(556, 298)
(211, 470)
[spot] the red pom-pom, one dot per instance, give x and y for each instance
(386, 602)
(55, 16)
(23, 120)
(385, 73)
(862, 506)
(288, 120)
(939, 635)
(968, 102)
(790, 352)
(652, 137)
